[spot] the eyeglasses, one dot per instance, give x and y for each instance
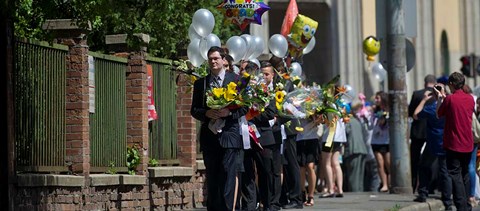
(214, 58)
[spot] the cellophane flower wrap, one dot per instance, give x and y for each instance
(301, 103)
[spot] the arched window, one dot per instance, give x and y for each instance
(445, 53)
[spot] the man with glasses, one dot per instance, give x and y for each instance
(222, 152)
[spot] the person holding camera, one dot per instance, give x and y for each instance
(457, 109)
(433, 152)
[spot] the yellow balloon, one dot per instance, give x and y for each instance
(371, 47)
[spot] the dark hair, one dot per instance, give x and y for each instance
(217, 49)
(278, 64)
(457, 80)
(265, 64)
(383, 100)
(467, 89)
(430, 79)
(230, 62)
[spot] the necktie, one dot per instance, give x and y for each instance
(216, 81)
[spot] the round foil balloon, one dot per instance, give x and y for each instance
(278, 45)
(371, 47)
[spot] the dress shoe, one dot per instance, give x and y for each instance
(420, 199)
(293, 205)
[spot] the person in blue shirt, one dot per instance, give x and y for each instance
(433, 151)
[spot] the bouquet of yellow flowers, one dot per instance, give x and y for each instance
(218, 98)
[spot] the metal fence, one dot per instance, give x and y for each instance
(40, 98)
(163, 131)
(108, 127)
(39, 89)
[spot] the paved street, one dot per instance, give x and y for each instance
(374, 202)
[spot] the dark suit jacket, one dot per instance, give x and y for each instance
(230, 136)
(263, 124)
(293, 122)
(418, 128)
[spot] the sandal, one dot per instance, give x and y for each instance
(327, 195)
(339, 195)
(309, 202)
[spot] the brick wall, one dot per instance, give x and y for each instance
(137, 113)
(77, 103)
(169, 193)
(187, 152)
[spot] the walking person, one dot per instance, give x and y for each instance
(307, 156)
(380, 139)
(433, 152)
(457, 109)
(330, 160)
(418, 134)
(222, 152)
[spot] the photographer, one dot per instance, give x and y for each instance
(457, 109)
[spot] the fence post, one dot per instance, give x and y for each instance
(68, 32)
(186, 138)
(136, 88)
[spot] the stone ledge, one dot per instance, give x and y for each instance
(32, 180)
(169, 171)
(104, 179)
(133, 180)
(65, 24)
(200, 165)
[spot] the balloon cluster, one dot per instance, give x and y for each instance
(244, 47)
(201, 37)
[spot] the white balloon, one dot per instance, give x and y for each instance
(296, 69)
(350, 94)
(379, 72)
(309, 46)
(259, 47)
(278, 45)
(249, 42)
(203, 22)
(207, 42)
(193, 53)
(236, 48)
(192, 34)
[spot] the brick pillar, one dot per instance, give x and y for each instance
(186, 137)
(136, 76)
(77, 93)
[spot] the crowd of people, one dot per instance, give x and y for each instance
(288, 167)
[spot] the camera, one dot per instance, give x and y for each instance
(439, 88)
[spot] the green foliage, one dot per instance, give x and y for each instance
(166, 22)
(133, 159)
(153, 162)
(396, 207)
(111, 168)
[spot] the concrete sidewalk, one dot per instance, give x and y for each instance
(371, 202)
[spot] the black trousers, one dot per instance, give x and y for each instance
(233, 167)
(277, 179)
(415, 154)
(428, 159)
(457, 165)
(214, 173)
(291, 171)
(264, 166)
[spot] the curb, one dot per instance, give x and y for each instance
(432, 205)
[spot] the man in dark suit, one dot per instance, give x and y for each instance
(222, 152)
(418, 134)
(263, 159)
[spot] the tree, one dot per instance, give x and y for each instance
(166, 22)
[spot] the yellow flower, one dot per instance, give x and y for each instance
(279, 96)
(230, 95)
(245, 74)
(218, 92)
(278, 105)
(232, 86)
(299, 129)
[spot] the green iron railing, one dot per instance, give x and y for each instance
(39, 90)
(108, 128)
(163, 131)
